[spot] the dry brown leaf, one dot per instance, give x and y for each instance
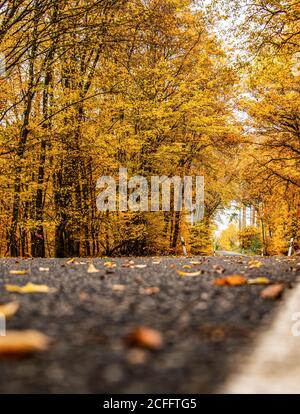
(9, 309)
(118, 288)
(183, 274)
(232, 280)
(20, 272)
(128, 264)
(150, 291)
(29, 288)
(273, 291)
(259, 281)
(23, 342)
(145, 337)
(83, 296)
(214, 333)
(136, 356)
(218, 269)
(92, 269)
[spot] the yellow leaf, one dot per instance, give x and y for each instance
(73, 261)
(259, 281)
(70, 261)
(254, 264)
(20, 272)
(183, 274)
(9, 309)
(29, 288)
(92, 269)
(23, 342)
(110, 264)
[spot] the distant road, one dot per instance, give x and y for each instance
(225, 253)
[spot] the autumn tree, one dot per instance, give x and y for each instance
(90, 88)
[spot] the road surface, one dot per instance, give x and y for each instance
(207, 330)
(228, 253)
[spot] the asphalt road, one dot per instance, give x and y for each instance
(227, 253)
(206, 329)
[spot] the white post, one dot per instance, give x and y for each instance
(291, 247)
(183, 246)
(192, 218)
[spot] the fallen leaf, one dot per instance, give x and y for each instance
(232, 280)
(92, 269)
(186, 267)
(73, 261)
(215, 334)
(144, 337)
(156, 262)
(70, 261)
(218, 333)
(254, 264)
(273, 291)
(150, 291)
(195, 263)
(83, 296)
(128, 264)
(136, 356)
(259, 281)
(20, 272)
(118, 288)
(140, 266)
(183, 274)
(9, 309)
(29, 288)
(110, 265)
(218, 269)
(23, 342)
(44, 269)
